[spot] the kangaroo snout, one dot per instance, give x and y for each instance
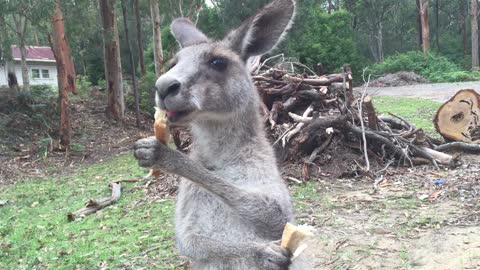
(167, 87)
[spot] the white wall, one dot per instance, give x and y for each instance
(51, 67)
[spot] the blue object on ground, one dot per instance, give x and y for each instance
(439, 182)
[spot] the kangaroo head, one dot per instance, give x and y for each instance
(209, 79)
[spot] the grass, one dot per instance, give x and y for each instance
(136, 232)
(419, 112)
(35, 234)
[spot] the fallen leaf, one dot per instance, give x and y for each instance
(435, 195)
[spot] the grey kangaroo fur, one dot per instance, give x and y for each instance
(232, 203)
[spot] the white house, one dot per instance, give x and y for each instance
(41, 64)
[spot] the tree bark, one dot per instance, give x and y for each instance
(141, 58)
(330, 6)
(66, 72)
(425, 26)
(113, 65)
(7, 56)
(21, 29)
(419, 22)
(463, 21)
(437, 24)
(132, 63)
(474, 14)
(381, 57)
(157, 37)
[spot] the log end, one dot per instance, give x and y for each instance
(459, 118)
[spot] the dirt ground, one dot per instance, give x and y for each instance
(437, 91)
(27, 151)
(407, 222)
(398, 79)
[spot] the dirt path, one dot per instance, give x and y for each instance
(407, 223)
(438, 91)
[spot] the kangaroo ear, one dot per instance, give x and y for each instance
(186, 33)
(261, 33)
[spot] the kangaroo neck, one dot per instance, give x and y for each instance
(222, 139)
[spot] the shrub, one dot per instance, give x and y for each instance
(83, 85)
(433, 67)
(146, 91)
(43, 91)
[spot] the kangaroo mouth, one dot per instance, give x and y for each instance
(175, 117)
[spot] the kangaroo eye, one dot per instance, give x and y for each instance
(219, 64)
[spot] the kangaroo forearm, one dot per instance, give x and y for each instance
(268, 212)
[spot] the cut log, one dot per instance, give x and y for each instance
(459, 118)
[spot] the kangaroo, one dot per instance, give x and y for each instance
(232, 203)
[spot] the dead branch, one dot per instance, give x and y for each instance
(320, 81)
(458, 146)
(93, 205)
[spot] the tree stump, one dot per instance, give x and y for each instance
(459, 118)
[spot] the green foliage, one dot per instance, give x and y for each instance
(319, 37)
(432, 66)
(43, 91)
(83, 85)
(102, 83)
(147, 93)
(77, 148)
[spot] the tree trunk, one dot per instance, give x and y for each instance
(157, 37)
(463, 21)
(425, 25)
(132, 63)
(475, 60)
(66, 72)
(419, 22)
(380, 42)
(21, 29)
(437, 25)
(330, 6)
(113, 65)
(7, 56)
(141, 59)
(372, 44)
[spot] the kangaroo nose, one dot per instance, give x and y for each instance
(169, 88)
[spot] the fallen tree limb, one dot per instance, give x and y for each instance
(93, 205)
(459, 146)
(321, 81)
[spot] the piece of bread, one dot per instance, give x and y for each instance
(160, 127)
(293, 238)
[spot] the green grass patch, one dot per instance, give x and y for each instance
(419, 112)
(134, 233)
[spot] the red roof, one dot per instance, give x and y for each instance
(35, 53)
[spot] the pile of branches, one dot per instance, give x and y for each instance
(306, 113)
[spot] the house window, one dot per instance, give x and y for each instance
(45, 74)
(35, 73)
